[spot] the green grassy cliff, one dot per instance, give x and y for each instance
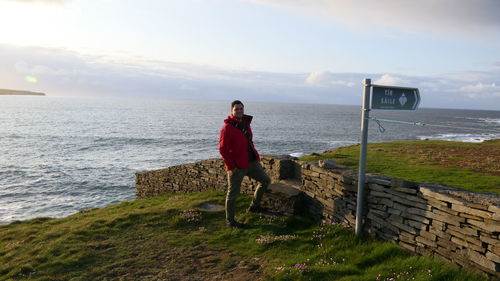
(471, 166)
(171, 238)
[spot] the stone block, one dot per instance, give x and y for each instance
(386, 202)
(420, 219)
(325, 202)
(400, 183)
(461, 259)
(375, 218)
(396, 219)
(407, 237)
(488, 239)
(488, 226)
(439, 233)
(494, 208)
(347, 179)
(437, 203)
(466, 244)
(464, 230)
(417, 211)
(438, 225)
(282, 198)
(427, 235)
(446, 210)
(351, 187)
(425, 241)
(471, 211)
(407, 246)
(405, 190)
(400, 207)
(380, 194)
(429, 193)
(381, 214)
(404, 227)
(493, 257)
(416, 224)
(472, 241)
(394, 211)
(378, 207)
(376, 187)
(494, 249)
(446, 244)
(379, 181)
(444, 254)
(373, 200)
(444, 217)
(467, 216)
(386, 235)
(409, 200)
(481, 260)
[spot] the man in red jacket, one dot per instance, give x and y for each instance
(241, 159)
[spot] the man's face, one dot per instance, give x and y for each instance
(237, 111)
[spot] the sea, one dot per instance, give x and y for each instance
(61, 155)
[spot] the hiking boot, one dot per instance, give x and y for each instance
(235, 224)
(256, 209)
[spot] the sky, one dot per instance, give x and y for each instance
(300, 51)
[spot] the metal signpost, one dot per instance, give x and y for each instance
(380, 98)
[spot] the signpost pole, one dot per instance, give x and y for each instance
(365, 113)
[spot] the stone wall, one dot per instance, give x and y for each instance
(457, 226)
(204, 175)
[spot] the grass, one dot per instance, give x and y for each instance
(169, 238)
(471, 166)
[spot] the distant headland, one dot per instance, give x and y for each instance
(7, 92)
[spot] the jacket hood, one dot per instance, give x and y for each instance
(246, 118)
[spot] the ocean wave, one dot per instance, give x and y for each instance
(491, 120)
(126, 141)
(476, 138)
(494, 121)
(297, 154)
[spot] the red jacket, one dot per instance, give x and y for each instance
(233, 144)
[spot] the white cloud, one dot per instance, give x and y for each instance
(318, 78)
(60, 71)
(326, 78)
(479, 87)
(63, 72)
(391, 80)
(435, 16)
(471, 76)
(481, 91)
(24, 68)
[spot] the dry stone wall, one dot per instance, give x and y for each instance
(204, 175)
(457, 226)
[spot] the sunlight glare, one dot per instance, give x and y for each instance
(30, 79)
